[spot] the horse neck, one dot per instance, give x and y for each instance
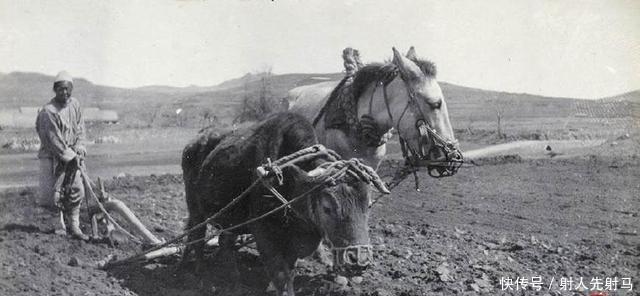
(376, 106)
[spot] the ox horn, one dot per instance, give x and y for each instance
(379, 185)
(317, 172)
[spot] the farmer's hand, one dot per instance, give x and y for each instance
(80, 150)
(74, 163)
(74, 194)
(56, 199)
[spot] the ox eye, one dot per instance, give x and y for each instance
(326, 205)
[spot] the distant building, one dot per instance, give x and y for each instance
(25, 117)
(92, 114)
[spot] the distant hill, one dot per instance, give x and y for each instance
(24, 89)
(148, 104)
(35, 89)
(175, 90)
(632, 96)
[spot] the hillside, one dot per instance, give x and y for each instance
(156, 105)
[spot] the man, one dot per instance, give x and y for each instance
(60, 126)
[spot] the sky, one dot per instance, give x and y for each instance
(583, 49)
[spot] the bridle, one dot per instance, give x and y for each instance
(429, 141)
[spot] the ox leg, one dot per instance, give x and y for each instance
(197, 234)
(280, 273)
(278, 265)
(323, 255)
(227, 254)
(291, 265)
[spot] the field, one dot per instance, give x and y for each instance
(515, 210)
(504, 218)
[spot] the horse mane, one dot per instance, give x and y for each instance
(427, 67)
(375, 72)
(371, 73)
(340, 108)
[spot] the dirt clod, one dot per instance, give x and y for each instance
(73, 261)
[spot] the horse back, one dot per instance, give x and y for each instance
(309, 99)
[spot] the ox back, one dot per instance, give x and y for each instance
(217, 168)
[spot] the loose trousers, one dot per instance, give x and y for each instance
(47, 181)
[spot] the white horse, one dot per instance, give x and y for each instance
(403, 95)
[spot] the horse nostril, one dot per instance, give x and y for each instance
(436, 155)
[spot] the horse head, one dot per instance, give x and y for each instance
(416, 107)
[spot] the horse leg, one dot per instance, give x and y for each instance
(378, 156)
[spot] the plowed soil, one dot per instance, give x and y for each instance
(500, 218)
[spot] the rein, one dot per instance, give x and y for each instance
(367, 131)
(453, 157)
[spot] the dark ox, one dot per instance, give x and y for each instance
(218, 168)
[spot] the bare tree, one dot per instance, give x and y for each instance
(155, 110)
(500, 106)
(257, 104)
(208, 117)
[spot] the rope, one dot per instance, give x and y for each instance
(360, 171)
(265, 215)
(306, 154)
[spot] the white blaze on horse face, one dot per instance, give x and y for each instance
(431, 100)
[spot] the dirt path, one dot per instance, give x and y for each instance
(22, 169)
(536, 149)
(462, 235)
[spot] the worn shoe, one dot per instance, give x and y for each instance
(72, 219)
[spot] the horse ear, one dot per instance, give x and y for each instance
(411, 54)
(397, 58)
(407, 68)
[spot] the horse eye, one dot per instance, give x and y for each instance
(435, 105)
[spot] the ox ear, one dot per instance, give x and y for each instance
(407, 68)
(295, 173)
(411, 54)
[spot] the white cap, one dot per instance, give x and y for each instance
(63, 76)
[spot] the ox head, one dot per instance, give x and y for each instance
(424, 124)
(340, 211)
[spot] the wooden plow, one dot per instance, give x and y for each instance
(103, 226)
